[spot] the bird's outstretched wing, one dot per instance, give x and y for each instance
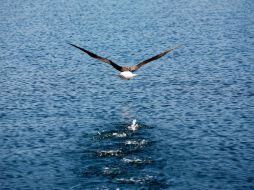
(136, 67)
(117, 67)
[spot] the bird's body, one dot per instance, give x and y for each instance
(127, 75)
(126, 72)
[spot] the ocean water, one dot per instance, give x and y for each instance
(66, 120)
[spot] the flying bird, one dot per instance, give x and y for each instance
(126, 72)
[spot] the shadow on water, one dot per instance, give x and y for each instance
(122, 156)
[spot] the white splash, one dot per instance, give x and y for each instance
(137, 180)
(137, 161)
(135, 142)
(103, 153)
(119, 135)
(134, 126)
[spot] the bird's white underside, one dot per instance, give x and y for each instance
(127, 75)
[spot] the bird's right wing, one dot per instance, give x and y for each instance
(117, 67)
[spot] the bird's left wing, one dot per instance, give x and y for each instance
(93, 55)
(136, 67)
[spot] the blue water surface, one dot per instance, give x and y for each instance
(65, 118)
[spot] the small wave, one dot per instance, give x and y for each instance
(112, 134)
(102, 170)
(104, 153)
(135, 142)
(136, 180)
(134, 145)
(137, 161)
(111, 171)
(119, 134)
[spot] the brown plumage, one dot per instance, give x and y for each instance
(126, 68)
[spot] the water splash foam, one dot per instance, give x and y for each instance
(134, 126)
(147, 179)
(136, 142)
(105, 153)
(136, 161)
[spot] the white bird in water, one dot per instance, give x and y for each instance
(126, 72)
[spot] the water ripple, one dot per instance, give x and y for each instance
(66, 120)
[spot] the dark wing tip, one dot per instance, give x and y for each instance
(75, 46)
